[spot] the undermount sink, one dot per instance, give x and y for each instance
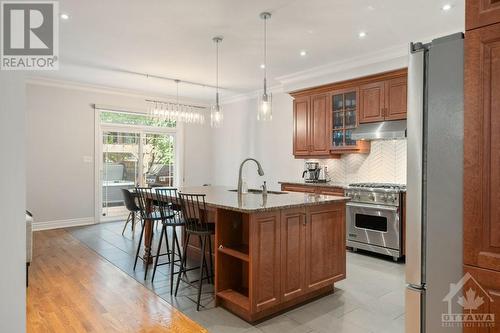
(257, 191)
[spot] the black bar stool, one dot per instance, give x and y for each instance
(169, 207)
(134, 210)
(194, 211)
(143, 195)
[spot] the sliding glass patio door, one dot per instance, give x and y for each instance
(132, 154)
(121, 154)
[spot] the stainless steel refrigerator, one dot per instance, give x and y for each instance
(434, 243)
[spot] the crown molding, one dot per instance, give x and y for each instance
(344, 65)
(300, 79)
(96, 88)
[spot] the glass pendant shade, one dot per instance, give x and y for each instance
(265, 103)
(265, 110)
(216, 116)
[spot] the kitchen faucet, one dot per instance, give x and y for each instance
(259, 170)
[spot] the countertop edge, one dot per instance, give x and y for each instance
(327, 184)
(269, 209)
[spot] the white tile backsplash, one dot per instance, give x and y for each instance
(385, 163)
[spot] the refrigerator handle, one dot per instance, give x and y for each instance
(415, 141)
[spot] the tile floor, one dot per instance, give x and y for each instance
(370, 299)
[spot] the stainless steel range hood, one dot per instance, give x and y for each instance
(385, 130)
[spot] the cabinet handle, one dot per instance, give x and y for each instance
(305, 220)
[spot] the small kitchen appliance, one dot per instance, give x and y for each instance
(312, 173)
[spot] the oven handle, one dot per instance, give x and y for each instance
(380, 207)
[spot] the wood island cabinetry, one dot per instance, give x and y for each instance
(269, 261)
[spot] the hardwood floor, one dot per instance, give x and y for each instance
(72, 289)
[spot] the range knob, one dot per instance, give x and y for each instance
(356, 196)
(372, 196)
(384, 197)
(392, 198)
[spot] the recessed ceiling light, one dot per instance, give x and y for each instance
(370, 8)
(65, 16)
(446, 7)
(262, 66)
(362, 34)
(303, 53)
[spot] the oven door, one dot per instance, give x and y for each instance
(373, 224)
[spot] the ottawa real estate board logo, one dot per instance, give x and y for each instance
(473, 303)
(29, 35)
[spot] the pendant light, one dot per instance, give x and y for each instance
(265, 110)
(216, 116)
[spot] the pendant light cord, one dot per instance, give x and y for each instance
(265, 54)
(217, 73)
(177, 94)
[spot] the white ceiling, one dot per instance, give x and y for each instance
(174, 38)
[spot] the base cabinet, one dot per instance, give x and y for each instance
(293, 250)
(324, 190)
(483, 290)
(313, 249)
(267, 262)
(325, 246)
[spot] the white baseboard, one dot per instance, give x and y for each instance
(62, 223)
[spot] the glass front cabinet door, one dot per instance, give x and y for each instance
(344, 118)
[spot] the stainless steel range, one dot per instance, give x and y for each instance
(374, 216)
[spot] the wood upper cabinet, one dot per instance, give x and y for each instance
(293, 255)
(326, 116)
(301, 136)
(396, 98)
(266, 281)
(372, 102)
(325, 246)
(311, 126)
(482, 148)
(383, 100)
(480, 13)
(319, 125)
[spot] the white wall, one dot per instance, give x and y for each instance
(60, 134)
(232, 143)
(12, 203)
(269, 142)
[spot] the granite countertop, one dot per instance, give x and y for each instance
(327, 184)
(221, 197)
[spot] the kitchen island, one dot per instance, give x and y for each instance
(273, 252)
